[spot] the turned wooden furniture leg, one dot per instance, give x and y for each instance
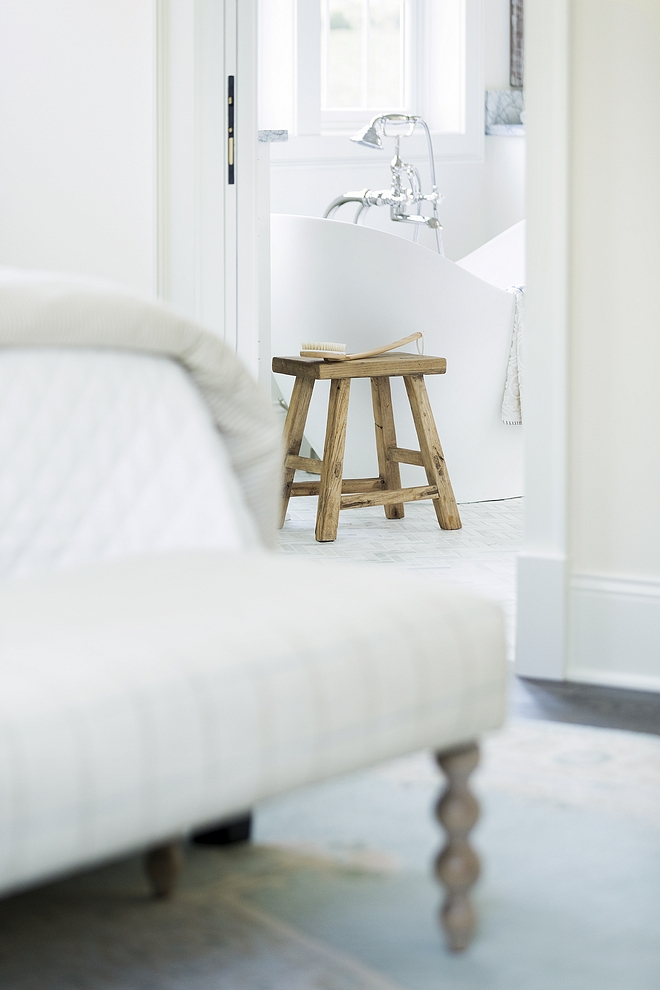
(381, 396)
(457, 865)
(327, 516)
(294, 427)
(162, 865)
(434, 461)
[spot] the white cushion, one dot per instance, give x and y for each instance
(107, 453)
(147, 696)
(55, 309)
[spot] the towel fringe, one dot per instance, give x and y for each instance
(512, 400)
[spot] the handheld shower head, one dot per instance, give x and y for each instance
(405, 192)
(368, 136)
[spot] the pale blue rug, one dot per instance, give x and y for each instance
(336, 893)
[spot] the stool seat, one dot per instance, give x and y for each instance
(392, 365)
(336, 492)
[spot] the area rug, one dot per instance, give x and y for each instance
(335, 892)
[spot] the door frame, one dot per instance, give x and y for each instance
(543, 565)
(207, 246)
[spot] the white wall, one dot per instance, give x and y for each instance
(615, 310)
(481, 198)
(113, 155)
(77, 155)
(496, 44)
(614, 445)
(589, 602)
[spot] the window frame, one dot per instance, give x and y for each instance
(311, 139)
(341, 120)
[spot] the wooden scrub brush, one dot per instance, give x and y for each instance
(337, 352)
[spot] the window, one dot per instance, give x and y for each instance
(328, 66)
(364, 56)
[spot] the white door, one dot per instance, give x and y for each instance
(115, 121)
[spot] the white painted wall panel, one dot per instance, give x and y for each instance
(77, 155)
(590, 576)
(614, 453)
(615, 313)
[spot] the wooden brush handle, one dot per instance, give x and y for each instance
(329, 356)
(384, 349)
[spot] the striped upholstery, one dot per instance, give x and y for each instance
(146, 696)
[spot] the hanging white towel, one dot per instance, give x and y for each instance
(512, 401)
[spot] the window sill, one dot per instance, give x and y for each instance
(271, 136)
(505, 130)
(339, 151)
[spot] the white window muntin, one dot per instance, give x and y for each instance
(448, 80)
(334, 110)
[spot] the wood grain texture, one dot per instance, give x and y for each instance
(361, 501)
(457, 866)
(432, 456)
(403, 456)
(327, 515)
(309, 464)
(334, 354)
(294, 427)
(334, 492)
(373, 367)
(381, 397)
(162, 865)
(348, 485)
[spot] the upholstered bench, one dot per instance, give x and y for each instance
(150, 696)
(161, 673)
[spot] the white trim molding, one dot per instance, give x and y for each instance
(614, 631)
(542, 575)
(541, 636)
(194, 204)
(600, 628)
(248, 289)
(207, 228)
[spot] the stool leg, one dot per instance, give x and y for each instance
(389, 471)
(434, 461)
(327, 516)
(294, 427)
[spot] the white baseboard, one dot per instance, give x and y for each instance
(541, 635)
(614, 632)
(631, 682)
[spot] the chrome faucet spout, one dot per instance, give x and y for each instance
(404, 197)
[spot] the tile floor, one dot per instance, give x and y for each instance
(481, 556)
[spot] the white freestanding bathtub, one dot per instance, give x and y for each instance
(363, 287)
(500, 261)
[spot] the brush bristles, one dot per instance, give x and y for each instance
(335, 348)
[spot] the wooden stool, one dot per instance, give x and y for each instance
(333, 490)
